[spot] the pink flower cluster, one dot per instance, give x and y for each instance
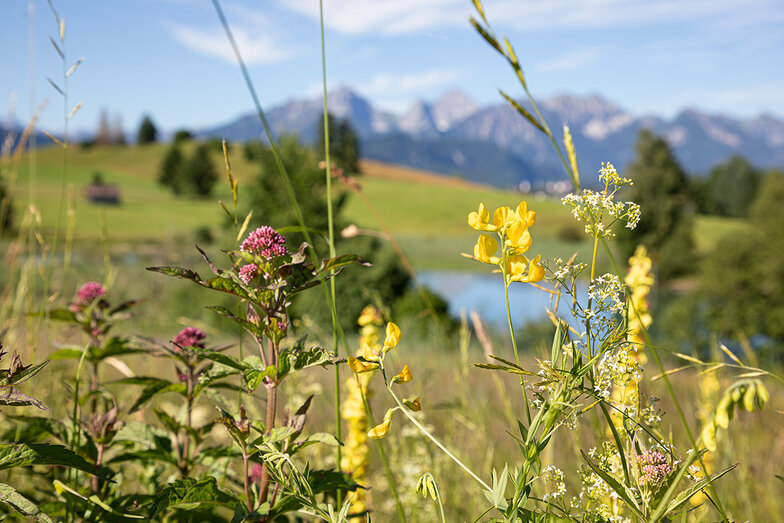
(88, 293)
(653, 467)
(256, 473)
(248, 272)
(189, 337)
(266, 242)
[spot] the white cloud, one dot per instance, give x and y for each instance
(256, 48)
(571, 60)
(392, 17)
(384, 84)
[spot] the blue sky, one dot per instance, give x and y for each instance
(169, 58)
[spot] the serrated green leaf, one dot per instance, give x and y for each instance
(177, 272)
(26, 454)
(21, 504)
(203, 491)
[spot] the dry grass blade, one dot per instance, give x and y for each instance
(244, 225)
(57, 48)
(232, 180)
(670, 372)
(523, 111)
(729, 353)
(74, 67)
(73, 111)
(57, 87)
(688, 358)
(55, 140)
(572, 155)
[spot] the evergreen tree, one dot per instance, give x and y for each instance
(343, 143)
(743, 278)
(170, 172)
(199, 174)
(103, 135)
(666, 222)
(6, 209)
(147, 132)
(731, 188)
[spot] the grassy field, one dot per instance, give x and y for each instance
(425, 212)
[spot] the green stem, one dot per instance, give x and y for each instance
(432, 438)
(331, 232)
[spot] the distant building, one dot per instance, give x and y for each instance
(103, 194)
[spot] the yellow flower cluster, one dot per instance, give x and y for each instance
(640, 280)
(355, 457)
(511, 228)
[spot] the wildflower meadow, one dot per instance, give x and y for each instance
(256, 376)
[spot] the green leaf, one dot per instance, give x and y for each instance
(66, 354)
(26, 454)
(190, 490)
(26, 373)
(248, 326)
(210, 376)
(60, 315)
(673, 482)
(154, 387)
(684, 495)
(116, 346)
(61, 487)
(617, 486)
(15, 398)
(296, 358)
(177, 272)
(226, 285)
(21, 504)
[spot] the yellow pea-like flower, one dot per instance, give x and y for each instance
(519, 268)
(369, 353)
(380, 430)
(503, 217)
(392, 338)
(518, 237)
(524, 215)
(370, 315)
(404, 376)
(485, 248)
(360, 366)
(480, 220)
(414, 404)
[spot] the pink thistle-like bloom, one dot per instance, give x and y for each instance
(653, 467)
(88, 293)
(248, 272)
(266, 242)
(255, 472)
(189, 337)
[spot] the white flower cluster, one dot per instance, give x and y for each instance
(592, 208)
(615, 368)
(608, 292)
(610, 176)
(598, 210)
(562, 270)
(554, 477)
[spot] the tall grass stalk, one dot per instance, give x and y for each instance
(331, 236)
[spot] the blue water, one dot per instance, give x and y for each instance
(484, 293)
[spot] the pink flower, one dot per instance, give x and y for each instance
(255, 472)
(248, 272)
(266, 242)
(654, 467)
(189, 337)
(86, 295)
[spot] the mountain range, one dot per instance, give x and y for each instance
(493, 144)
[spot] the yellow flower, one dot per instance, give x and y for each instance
(518, 237)
(524, 215)
(369, 316)
(414, 404)
(392, 337)
(404, 376)
(369, 353)
(485, 248)
(380, 430)
(480, 220)
(503, 217)
(519, 268)
(360, 366)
